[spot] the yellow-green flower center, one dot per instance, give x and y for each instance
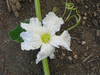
(45, 37)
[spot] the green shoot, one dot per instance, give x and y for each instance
(55, 9)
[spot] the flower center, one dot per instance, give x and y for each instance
(45, 37)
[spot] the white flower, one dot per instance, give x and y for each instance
(37, 36)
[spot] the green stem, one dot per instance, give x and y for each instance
(73, 26)
(45, 66)
(77, 21)
(38, 14)
(68, 15)
(37, 9)
(64, 12)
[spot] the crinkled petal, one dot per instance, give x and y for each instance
(36, 44)
(34, 26)
(59, 41)
(52, 22)
(52, 19)
(66, 36)
(31, 41)
(35, 22)
(30, 45)
(27, 27)
(46, 50)
(26, 36)
(45, 29)
(26, 46)
(52, 55)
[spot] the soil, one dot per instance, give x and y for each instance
(83, 60)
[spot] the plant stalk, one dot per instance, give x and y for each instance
(38, 14)
(38, 10)
(45, 66)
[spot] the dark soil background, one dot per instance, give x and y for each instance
(83, 60)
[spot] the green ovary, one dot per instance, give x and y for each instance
(45, 37)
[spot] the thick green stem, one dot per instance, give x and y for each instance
(37, 9)
(38, 14)
(45, 66)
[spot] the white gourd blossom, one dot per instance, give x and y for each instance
(43, 37)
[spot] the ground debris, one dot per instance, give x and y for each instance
(75, 56)
(98, 33)
(83, 43)
(70, 58)
(78, 40)
(88, 57)
(95, 22)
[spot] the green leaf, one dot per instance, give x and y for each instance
(15, 33)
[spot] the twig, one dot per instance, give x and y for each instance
(78, 40)
(88, 57)
(91, 60)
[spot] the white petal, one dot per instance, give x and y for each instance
(55, 41)
(26, 36)
(51, 18)
(31, 41)
(36, 44)
(32, 29)
(52, 22)
(34, 26)
(52, 55)
(59, 41)
(46, 50)
(27, 27)
(35, 22)
(45, 29)
(26, 46)
(66, 36)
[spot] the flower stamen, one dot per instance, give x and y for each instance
(45, 37)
